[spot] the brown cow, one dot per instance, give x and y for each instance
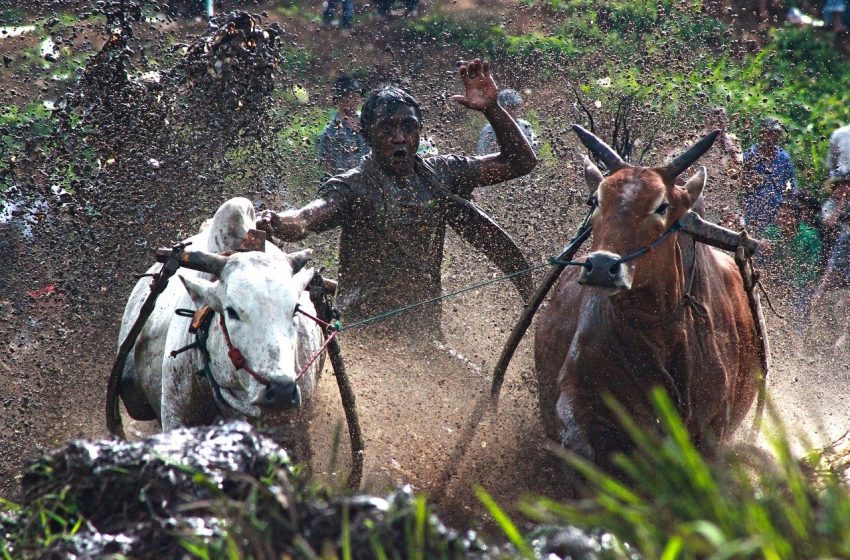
(621, 328)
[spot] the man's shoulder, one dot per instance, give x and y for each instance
(839, 133)
(771, 233)
(809, 233)
(348, 181)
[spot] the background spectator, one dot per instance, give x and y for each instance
(838, 169)
(341, 146)
(794, 251)
(512, 101)
(838, 156)
(384, 6)
(768, 175)
(347, 13)
(837, 274)
(834, 13)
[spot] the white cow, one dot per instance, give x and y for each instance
(256, 294)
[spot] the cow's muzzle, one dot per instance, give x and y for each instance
(606, 272)
(280, 396)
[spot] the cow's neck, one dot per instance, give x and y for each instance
(653, 306)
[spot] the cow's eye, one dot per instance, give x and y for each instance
(662, 209)
(231, 314)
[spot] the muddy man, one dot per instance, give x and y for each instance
(393, 209)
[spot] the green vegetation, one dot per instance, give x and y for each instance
(671, 503)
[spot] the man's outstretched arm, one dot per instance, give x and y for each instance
(516, 156)
(294, 225)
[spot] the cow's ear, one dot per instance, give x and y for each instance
(203, 292)
(592, 176)
(696, 183)
(303, 278)
(298, 259)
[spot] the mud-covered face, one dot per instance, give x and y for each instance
(394, 138)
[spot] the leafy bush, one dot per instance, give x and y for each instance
(672, 503)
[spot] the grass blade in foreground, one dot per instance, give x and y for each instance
(675, 504)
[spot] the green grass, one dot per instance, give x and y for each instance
(672, 503)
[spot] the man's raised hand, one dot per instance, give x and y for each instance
(480, 87)
(268, 221)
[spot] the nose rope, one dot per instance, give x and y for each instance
(236, 356)
(332, 329)
(554, 260)
(651, 247)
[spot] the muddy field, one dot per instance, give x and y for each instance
(67, 270)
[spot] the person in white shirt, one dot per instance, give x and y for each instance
(512, 101)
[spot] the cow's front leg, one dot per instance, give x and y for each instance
(573, 422)
(187, 400)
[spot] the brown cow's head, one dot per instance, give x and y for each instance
(637, 205)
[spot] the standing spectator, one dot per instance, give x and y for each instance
(512, 102)
(834, 13)
(794, 252)
(768, 175)
(838, 157)
(411, 8)
(726, 155)
(838, 169)
(835, 216)
(837, 274)
(341, 146)
(347, 13)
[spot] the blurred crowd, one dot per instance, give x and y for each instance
(383, 9)
(805, 239)
(834, 13)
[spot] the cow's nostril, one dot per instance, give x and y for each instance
(274, 392)
(615, 269)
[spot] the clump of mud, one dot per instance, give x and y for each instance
(200, 486)
(233, 67)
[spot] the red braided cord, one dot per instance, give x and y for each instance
(316, 354)
(236, 356)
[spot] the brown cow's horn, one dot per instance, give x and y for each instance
(600, 149)
(685, 160)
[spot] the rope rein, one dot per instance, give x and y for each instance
(553, 261)
(652, 246)
(392, 312)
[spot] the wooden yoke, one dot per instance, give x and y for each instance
(717, 236)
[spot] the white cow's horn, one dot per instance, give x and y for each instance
(203, 261)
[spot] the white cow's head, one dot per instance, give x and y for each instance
(256, 294)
